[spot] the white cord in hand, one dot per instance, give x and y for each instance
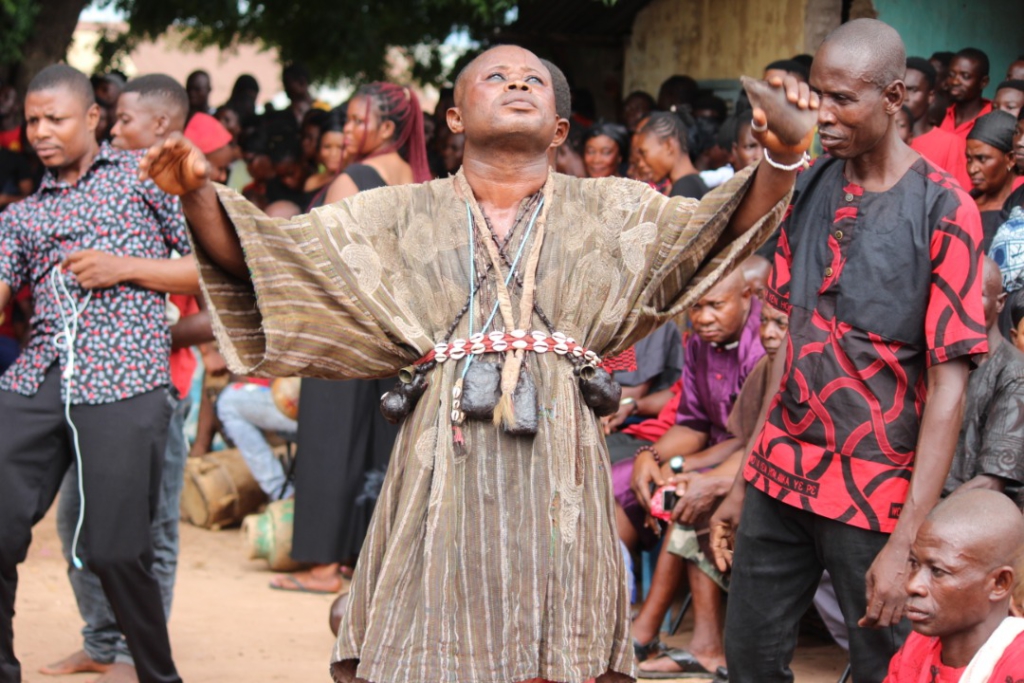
(65, 342)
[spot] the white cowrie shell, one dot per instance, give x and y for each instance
(458, 353)
(540, 346)
(518, 334)
(520, 344)
(500, 345)
(477, 348)
(561, 349)
(476, 338)
(440, 357)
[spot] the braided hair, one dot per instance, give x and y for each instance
(666, 125)
(400, 106)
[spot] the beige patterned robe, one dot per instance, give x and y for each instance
(501, 565)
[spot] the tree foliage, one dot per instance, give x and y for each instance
(333, 38)
(17, 17)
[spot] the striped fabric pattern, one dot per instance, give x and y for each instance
(500, 564)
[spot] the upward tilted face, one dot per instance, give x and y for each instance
(507, 93)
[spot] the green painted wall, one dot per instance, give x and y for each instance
(927, 26)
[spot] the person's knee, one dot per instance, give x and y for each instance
(226, 406)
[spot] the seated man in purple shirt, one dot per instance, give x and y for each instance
(718, 359)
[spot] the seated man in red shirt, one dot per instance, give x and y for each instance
(958, 594)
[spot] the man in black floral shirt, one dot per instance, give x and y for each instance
(112, 375)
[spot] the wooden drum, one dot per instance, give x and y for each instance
(219, 490)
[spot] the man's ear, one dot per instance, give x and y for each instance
(92, 117)
(895, 94)
(1002, 580)
(984, 82)
(454, 118)
(1001, 302)
(163, 123)
(561, 132)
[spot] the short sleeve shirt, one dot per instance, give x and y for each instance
(123, 343)
(992, 436)
(920, 661)
(713, 375)
(878, 287)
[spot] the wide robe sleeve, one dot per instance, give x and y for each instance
(320, 302)
(643, 258)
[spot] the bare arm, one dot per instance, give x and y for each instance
(179, 168)
(726, 519)
(771, 184)
(936, 442)
(192, 330)
(97, 270)
(653, 404)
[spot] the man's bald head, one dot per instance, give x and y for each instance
(511, 102)
(984, 526)
(720, 315)
(872, 46)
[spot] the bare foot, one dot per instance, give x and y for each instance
(76, 663)
(119, 673)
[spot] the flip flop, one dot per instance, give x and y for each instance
(689, 667)
(299, 588)
(644, 651)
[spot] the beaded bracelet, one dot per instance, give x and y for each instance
(650, 449)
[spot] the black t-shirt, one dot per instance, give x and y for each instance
(689, 186)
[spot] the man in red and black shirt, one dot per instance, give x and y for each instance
(879, 266)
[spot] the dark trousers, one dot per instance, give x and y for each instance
(122, 448)
(780, 554)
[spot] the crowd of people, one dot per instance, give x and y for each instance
(848, 293)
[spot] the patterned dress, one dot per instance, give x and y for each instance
(498, 562)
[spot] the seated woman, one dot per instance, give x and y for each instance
(605, 147)
(990, 162)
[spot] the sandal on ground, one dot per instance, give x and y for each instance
(293, 585)
(645, 651)
(688, 665)
(721, 675)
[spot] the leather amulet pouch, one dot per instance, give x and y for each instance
(481, 390)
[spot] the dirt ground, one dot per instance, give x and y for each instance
(226, 624)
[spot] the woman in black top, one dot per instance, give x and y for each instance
(662, 146)
(344, 443)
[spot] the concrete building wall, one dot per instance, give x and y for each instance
(722, 39)
(711, 39)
